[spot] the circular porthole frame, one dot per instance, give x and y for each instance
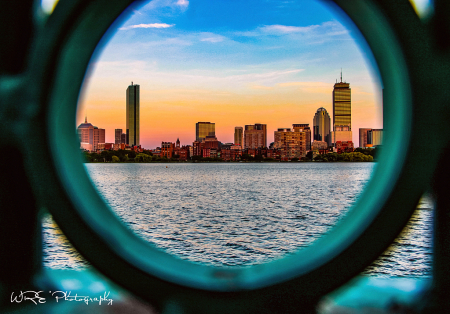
(61, 55)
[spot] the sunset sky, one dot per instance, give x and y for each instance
(228, 62)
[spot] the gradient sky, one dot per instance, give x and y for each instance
(228, 62)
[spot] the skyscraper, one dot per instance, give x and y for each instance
(204, 129)
(363, 140)
(342, 112)
(321, 126)
(342, 106)
(239, 136)
(118, 136)
(132, 115)
(255, 136)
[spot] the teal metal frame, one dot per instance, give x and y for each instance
(38, 108)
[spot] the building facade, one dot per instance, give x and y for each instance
(342, 105)
(304, 128)
(319, 145)
(344, 147)
(341, 134)
(204, 129)
(322, 126)
(291, 144)
(255, 136)
(90, 136)
(167, 149)
(210, 142)
(118, 136)
(363, 139)
(375, 137)
(239, 136)
(132, 115)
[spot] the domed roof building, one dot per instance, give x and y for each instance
(90, 136)
(85, 125)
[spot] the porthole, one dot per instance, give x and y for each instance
(64, 50)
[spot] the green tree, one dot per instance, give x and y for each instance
(87, 156)
(247, 157)
(331, 156)
(141, 157)
(106, 155)
(96, 157)
(258, 158)
(131, 153)
(115, 158)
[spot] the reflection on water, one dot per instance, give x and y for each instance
(410, 254)
(58, 252)
(241, 214)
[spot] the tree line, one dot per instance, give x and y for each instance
(360, 154)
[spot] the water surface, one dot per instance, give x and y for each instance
(229, 214)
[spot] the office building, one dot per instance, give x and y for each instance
(375, 137)
(341, 134)
(90, 136)
(255, 136)
(319, 145)
(291, 144)
(239, 136)
(210, 142)
(342, 105)
(363, 140)
(342, 112)
(99, 137)
(322, 126)
(118, 136)
(132, 115)
(204, 129)
(304, 128)
(370, 137)
(167, 149)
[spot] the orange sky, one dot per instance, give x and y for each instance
(169, 114)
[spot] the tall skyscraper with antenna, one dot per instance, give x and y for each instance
(342, 112)
(342, 106)
(132, 115)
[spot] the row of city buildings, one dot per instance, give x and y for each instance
(249, 140)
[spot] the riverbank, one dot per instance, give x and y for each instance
(132, 157)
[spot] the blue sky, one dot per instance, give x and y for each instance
(229, 62)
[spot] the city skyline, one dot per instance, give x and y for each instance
(275, 69)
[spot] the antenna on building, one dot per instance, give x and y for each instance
(131, 83)
(85, 119)
(341, 75)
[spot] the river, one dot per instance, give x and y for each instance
(232, 214)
